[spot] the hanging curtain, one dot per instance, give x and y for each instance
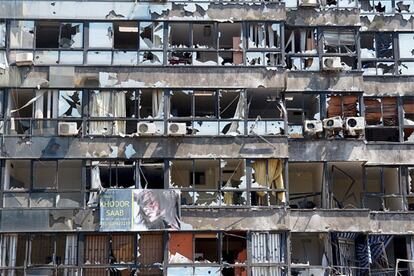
(157, 104)
(270, 177)
(100, 107)
(119, 106)
(95, 184)
(8, 246)
(238, 114)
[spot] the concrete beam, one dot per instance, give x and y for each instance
(323, 17)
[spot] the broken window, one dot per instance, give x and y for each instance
(101, 35)
(301, 49)
(305, 184)
(382, 192)
(13, 247)
(339, 41)
(267, 186)
(51, 34)
(301, 107)
(309, 253)
(208, 112)
(408, 118)
(347, 253)
(109, 107)
(151, 35)
(266, 111)
(264, 35)
(381, 115)
(268, 251)
(230, 43)
(345, 185)
(114, 174)
(152, 174)
(2, 34)
(377, 53)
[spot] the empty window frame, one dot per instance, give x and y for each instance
(266, 38)
(110, 174)
(309, 253)
(381, 116)
(409, 188)
(210, 182)
(301, 107)
(377, 53)
(340, 44)
(54, 42)
(306, 185)
(265, 112)
(345, 184)
(267, 182)
(38, 184)
(207, 112)
(301, 47)
(382, 191)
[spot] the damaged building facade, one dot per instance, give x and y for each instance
(234, 138)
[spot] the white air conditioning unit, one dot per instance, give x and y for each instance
(24, 59)
(353, 125)
(67, 128)
(309, 3)
(144, 128)
(177, 129)
(332, 64)
(333, 123)
(313, 126)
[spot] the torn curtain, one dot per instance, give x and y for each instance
(270, 176)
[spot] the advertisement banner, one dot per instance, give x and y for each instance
(139, 210)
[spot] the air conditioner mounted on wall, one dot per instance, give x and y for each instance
(353, 125)
(333, 123)
(177, 129)
(67, 128)
(313, 126)
(144, 128)
(24, 59)
(332, 64)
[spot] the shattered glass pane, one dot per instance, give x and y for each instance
(125, 58)
(101, 35)
(71, 35)
(347, 3)
(187, 198)
(21, 34)
(70, 104)
(273, 59)
(71, 57)
(368, 45)
(256, 127)
(254, 59)
(231, 104)
(369, 68)
(231, 128)
(46, 57)
(205, 104)
(205, 58)
(403, 6)
(151, 35)
(385, 68)
(230, 58)
(383, 6)
(18, 200)
(206, 199)
(69, 200)
(180, 58)
(205, 128)
(384, 45)
(151, 58)
(406, 45)
(44, 175)
(264, 35)
(230, 36)
(40, 200)
(406, 68)
(99, 57)
(44, 127)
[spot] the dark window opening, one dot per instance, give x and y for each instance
(125, 35)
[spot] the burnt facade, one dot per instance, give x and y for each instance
(285, 128)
